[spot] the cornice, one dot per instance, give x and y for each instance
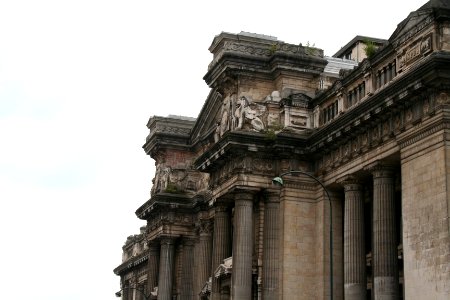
(131, 263)
(240, 141)
(408, 139)
(161, 200)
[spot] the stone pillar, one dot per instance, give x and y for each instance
(270, 246)
(225, 293)
(241, 279)
(152, 265)
(354, 242)
(203, 255)
(166, 269)
(385, 268)
(187, 267)
(221, 244)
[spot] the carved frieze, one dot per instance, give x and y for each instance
(169, 217)
(178, 180)
(383, 129)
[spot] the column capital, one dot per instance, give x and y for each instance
(153, 244)
(381, 169)
(271, 195)
(244, 194)
(167, 240)
(220, 206)
(204, 226)
(350, 183)
(188, 241)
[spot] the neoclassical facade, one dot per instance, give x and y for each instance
(374, 131)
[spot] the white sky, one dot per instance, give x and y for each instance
(78, 82)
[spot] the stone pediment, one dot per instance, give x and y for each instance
(410, 27)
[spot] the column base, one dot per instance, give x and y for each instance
(385, 288)
(355, 291)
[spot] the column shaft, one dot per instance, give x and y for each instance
(187, 274)
(203, 256)
(242, 246)
(152, 266)
(270, 247)
(221, 244)
(354, 243)
(166, 269)
(385, 268)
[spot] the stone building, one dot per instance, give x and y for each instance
(369, 144)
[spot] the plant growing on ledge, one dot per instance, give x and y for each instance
(370, 48)
(270, 134)
(310, 49)
(273, 48)
(172, 189)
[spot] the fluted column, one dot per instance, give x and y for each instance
(385, 268)
(202, 257)
(270, 246)
(152, 265)
(166, 269)
(241, 278)
(221, 244)
(187, 266)
(354, 243)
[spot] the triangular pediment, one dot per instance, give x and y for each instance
(207, 120)
(415, 22)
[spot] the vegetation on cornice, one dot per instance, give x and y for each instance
(274, 48)
(370, 49)
(270, 134)
(310, 49)
(173, 189)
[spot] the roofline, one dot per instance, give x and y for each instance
(359, 38)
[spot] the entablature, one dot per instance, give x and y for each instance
(260, 56)
(131, 263)
(161, 201)
(172, 131)
(235, 143)
(386, 113)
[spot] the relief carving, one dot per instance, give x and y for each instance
(161, 179)
(442, 98)
(172, 180)
(225, 115)
(262, 165)
(247, 115)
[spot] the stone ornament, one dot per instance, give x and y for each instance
(247, 115)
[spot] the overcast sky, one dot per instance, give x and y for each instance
(78, 82)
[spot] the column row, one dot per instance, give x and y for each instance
(201, 258)
(384, 239)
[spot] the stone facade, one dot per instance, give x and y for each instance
(363, 150)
